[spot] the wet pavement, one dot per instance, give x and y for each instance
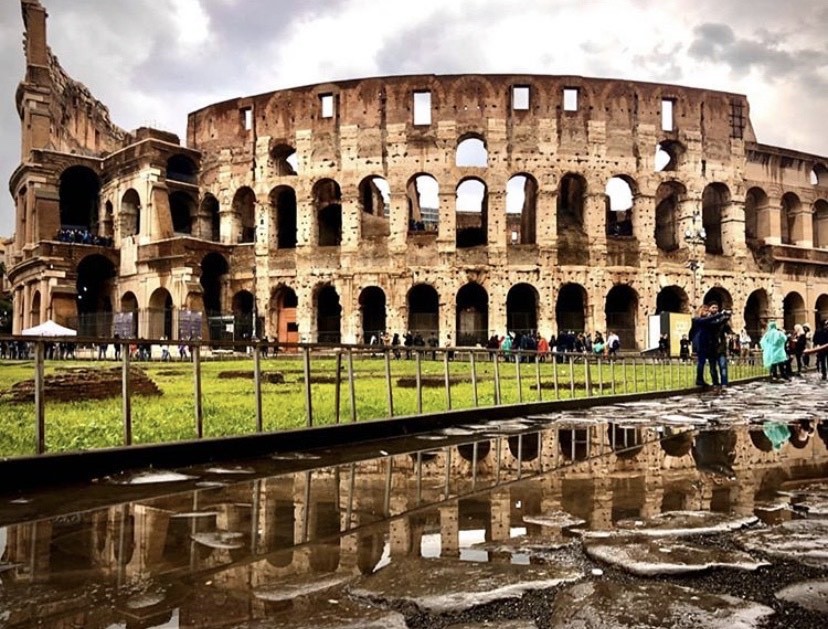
(693, 511)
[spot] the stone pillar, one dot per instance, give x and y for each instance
(447, 231)
(449, 530)
(769, 220)
(501, 508)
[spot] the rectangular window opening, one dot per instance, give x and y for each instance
(737, 120)
(422, 108)
(667, 120)
(570, 99)
(247, 118)
(520, 98)
(327, 103)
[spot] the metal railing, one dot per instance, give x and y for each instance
(440, 379)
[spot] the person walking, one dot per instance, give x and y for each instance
(821, 349)
(774, 356)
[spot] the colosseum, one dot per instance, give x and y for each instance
(450, 205)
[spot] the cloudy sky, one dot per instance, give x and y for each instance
(154, 61)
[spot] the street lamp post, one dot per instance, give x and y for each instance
(695, 236)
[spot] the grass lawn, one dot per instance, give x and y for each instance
(229, 404)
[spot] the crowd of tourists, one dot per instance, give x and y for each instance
(82, 237)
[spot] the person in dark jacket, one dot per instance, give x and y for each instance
(821, 339)
(705, 330)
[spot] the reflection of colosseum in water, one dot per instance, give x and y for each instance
(455, 204)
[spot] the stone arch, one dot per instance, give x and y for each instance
(673, 299)
(129, 306)
(375, 196)
(107, 227)
(819, 175)
(210, 217)
(820, 228)
(793, 311)
(715, 200)
(282, 311)
(372, 308)
(791, 219)
(243, 216)
(467, 451)
(821, 309)
(521, 209)
(572, 191)
(472, 315)
(619, 194)
(669, 155)
(130, 214)
(283, 160)
(757, 313)
(95, 284)
(621, 310)
(471, 151)
(522, 309)
(423, 195)
(574, 443)
(472, 208)
(571, 308)
(469, 95)
(244, 306)
(328, 314)
(283, 207)
(79, 192)
(668, 197)
(525, 447)
(423, 310)
(160, 313)
(34, 310)
(327, 200)
(182, 168)
(214, 270)
(719, 295)
(182, 211)
(757, 225)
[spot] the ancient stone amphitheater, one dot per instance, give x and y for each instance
(449, 205)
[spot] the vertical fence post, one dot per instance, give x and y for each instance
(473, 367)
(538, 377)
(40, 406)
(448, 379)
(351, 386)
(126, 396)
(497, 380)
(389, 391)
(587, 377)
(195, 350)
(572, 376)
(635, 375)
(338, 387)
(306, 510)
(306, 366)
(386, 507)
(350, 509)
(257, 383)
(612, 375)
(555, 377)
(600, 377)
(518, 360)
(419, 380)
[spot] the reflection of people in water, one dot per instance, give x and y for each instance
(714, 452)
(801, 432)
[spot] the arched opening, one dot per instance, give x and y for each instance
(756, 216)
(525, 447)
(477, 451)
(472, 315)
(210, 218)
(622, 314)
(372, 309)
(521, 209)
(107, 227)
(129, 310)
(283, 305)
(423, 195)
(283, 160)
(793, 308)
(328, 315)
(34, 311)
(182, 212)
(820, 229)
(471, 152)
(819, 175)
(668, 196)
(214, 269)
(182, 168)
(791, 223)
(571, 308)
(669, 155)
(626, 441)
(375, 196)
(79, 197)
(283, 206)
(672, 299)
(821, 308)
(678, 445)
(574, 443)
(715, 200)
(472, 213)
(720, 296)
(570, 209)
(130, 214)
(619, 203)
(96, 276)
(244, 215)
(423, 310)
(160, 314)
(522, 309)
(243, 315)
(756, 314)
(327, 199)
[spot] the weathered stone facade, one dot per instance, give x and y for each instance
(334, 211)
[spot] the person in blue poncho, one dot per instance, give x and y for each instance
(774, 356)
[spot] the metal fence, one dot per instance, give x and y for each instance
(485, 377)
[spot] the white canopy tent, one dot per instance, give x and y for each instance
(49, 328)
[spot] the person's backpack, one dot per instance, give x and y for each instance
(616, 344)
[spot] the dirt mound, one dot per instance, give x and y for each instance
(273, 377)
(84, 383)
